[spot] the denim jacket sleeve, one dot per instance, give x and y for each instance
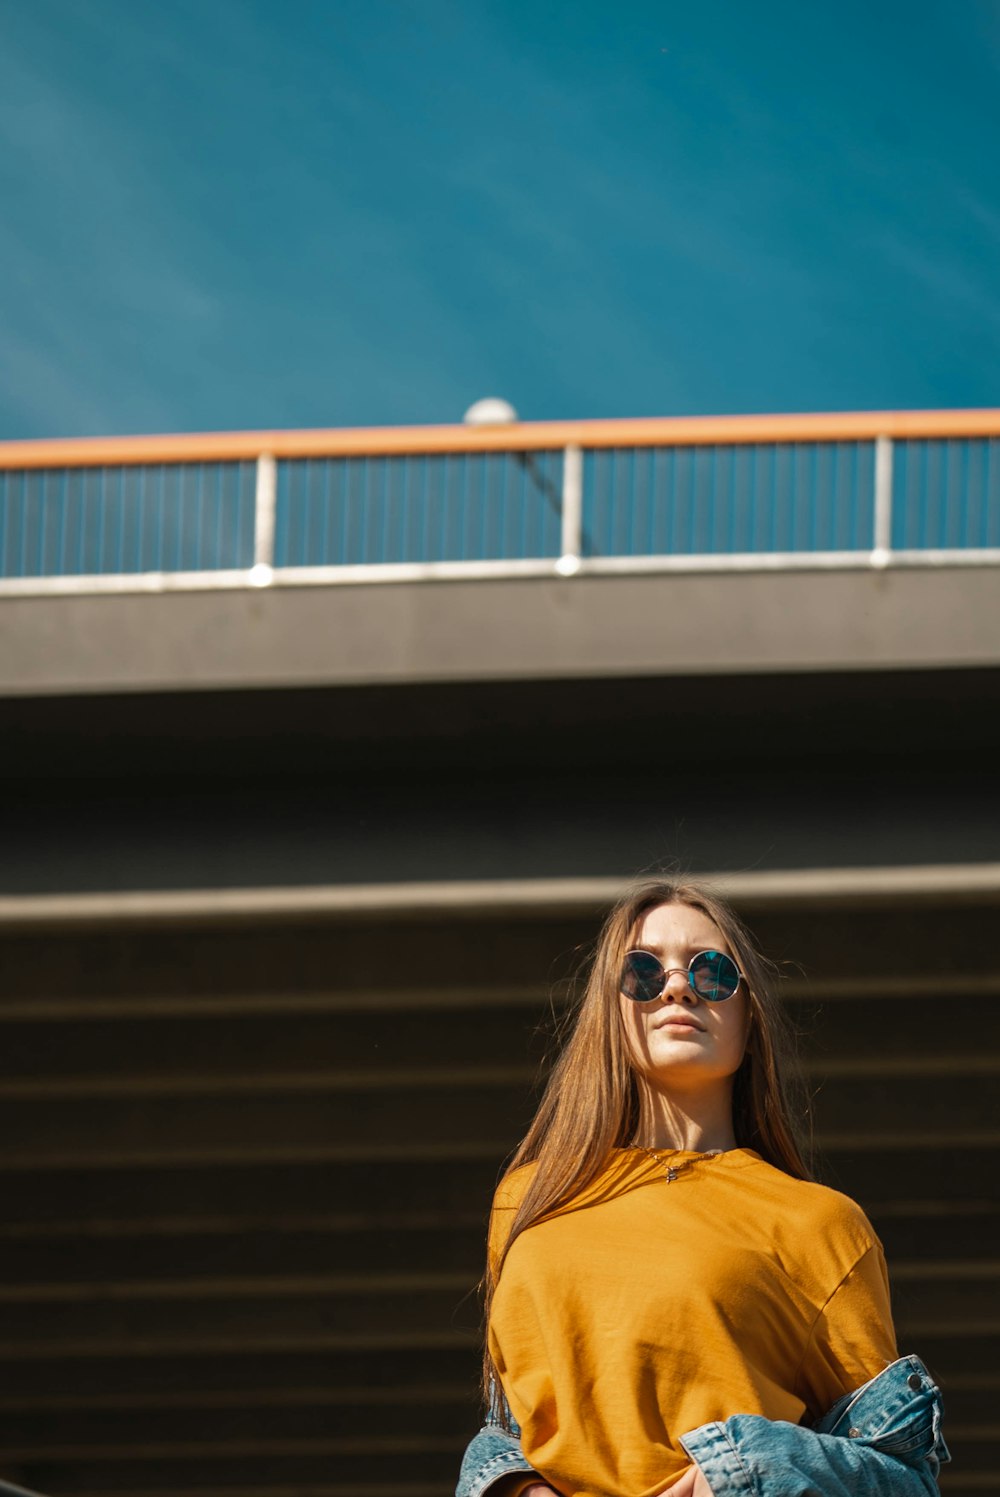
(882, 1440)
(492, 1453)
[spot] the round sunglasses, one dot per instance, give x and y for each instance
(711, 975)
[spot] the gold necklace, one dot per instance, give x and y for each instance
(671, 1171)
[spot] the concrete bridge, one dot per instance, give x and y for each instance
(324, 754)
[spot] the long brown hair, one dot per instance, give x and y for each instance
(591, 1100)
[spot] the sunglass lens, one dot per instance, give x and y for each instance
(714, 976)
(642, 977)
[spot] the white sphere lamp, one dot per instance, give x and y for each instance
(490, 412)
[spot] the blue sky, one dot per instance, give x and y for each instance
(242, 213)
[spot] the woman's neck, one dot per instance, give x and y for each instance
(701, 1123)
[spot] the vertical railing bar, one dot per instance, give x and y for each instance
(475, 481)
(713, 473)
(231, 524)
(442, 545)
(424, 509)
(963, 494)
(314, 551)
(100, 521)
(324, 529)
(673, 505)
(608, 468)
(882, 518)
(608, 500)
(390, 537)
(265, 506)
(401, 480)
(832, 539)
(384, 547)
(40, 539)
(493, 515)
(491, 526)
(345, 502)
(691, 471)
(621, 500)
(292, 511)
(60, 523)
(635, 499)
(752, 454)
(141, 518)
(476, 540)
(504, 542)
(161, 510)
(81, 535)
(912, 461)
(23, 547)
(521, 481)
(218, 505)
(182, 472)
(459, 515)
(61, 529)
(65, 548)
(735, 493)
(237, 548)
(74, 534)
(122, 510)
(571, 523)
(795, 469)
(365, 490)
(632, 502)
(606, 458)
(297, 511)
(941, 506)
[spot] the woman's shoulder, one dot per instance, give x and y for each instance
(508, 1196)
(512, 1188)
(821, 1209)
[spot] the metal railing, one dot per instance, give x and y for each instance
(259, 508)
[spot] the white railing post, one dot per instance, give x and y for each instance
(572, 511)
(265, 501)
(882, 538)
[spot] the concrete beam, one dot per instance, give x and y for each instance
(511, 629)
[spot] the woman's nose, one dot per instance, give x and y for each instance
(676, 987)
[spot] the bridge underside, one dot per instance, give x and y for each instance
(251, 1139)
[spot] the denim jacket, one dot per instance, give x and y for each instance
(882, 1440)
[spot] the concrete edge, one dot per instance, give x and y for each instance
(495, 898)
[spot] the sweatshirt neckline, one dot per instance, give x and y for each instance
(729, 1159)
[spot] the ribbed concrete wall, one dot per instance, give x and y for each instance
(245, 1172)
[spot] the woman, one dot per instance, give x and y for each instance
(673, 1304)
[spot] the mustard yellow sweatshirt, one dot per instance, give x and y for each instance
(648, 1307)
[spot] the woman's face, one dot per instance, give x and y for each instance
(680, 1042)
